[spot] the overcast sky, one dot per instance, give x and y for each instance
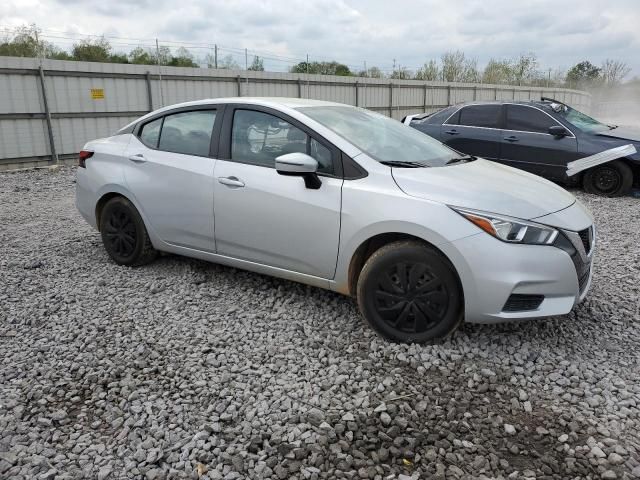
(560, 32)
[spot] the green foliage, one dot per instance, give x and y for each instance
(429, 71)
(183, 58)
(401, 73)
(98, 50)
(322, 68)
(25, 43)
(257, 65)
(140, 56)
(583, 74)
(228, 63)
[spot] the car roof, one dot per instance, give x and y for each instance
(262, 101)
(276, 102)
(537, 103)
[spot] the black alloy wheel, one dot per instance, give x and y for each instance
(410, 292)
(124, 235)
(120, 232)
(410, 297)
(611, 179)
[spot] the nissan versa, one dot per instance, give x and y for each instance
(341, 198)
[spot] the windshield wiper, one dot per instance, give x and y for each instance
(467, 158)
(612, 127)
(402, 164)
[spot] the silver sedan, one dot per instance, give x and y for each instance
(340, 198)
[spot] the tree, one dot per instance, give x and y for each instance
(25, 42)
(429, 71)
(257, 65)
(583, 74)
(401, 73)
(524, 68)
(613, 71)
(141, 56)
(457, 68)
(98, 50)
(182, 58)
(228, 63)
(452, 66)
(322, 68)
(497, 72)
(375, 72)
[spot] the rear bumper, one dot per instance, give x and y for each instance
(491, 271)
(85, 198)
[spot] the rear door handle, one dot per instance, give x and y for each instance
(231, 182)
(137, 158)
(511, 138)
(452, 132)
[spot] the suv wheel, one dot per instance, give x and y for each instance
(409, 292)
(611, 179)
(124, 235)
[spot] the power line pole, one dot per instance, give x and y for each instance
(159, 73)
(307, 75)
(215, 55)
(246, 68)
(366, 74)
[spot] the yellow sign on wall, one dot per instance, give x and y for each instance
(97, 93)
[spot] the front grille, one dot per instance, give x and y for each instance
(582, 268)
(518, 302)
(585, 236)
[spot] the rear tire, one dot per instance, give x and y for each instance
(611, 179)
(410, 293)
(124, 235)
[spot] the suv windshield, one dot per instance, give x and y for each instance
(580, 120)
(382, 138)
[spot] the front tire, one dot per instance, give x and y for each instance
(124, 235)
(409, 292)
(611, 179)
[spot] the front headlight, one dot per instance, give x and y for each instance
(512, 230)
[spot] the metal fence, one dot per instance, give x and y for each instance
(50, 108)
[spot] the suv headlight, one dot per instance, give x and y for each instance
(511, 230)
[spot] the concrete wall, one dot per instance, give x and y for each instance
(133, 90)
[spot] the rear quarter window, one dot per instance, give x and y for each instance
(436, 118)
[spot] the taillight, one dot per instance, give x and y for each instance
(82, 158)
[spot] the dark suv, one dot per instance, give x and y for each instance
(540, 137)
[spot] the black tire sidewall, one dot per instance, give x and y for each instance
(407, 252)
(120, 202)
(624, 186)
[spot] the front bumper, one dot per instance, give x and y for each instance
(491, 271)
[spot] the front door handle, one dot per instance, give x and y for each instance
(231, 182)
(137, 158)
(452, 132)
(511, 138)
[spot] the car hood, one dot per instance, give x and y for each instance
(485, 185)
(622, 133)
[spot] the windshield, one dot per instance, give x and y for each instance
(581, 121)
(380, 137)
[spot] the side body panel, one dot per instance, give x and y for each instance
(176, 192)
(476, 141)
(275, 220)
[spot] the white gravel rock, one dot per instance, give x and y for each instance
(183, 369)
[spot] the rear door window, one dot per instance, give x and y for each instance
(487, 116)
(188, 132)
(528, 119)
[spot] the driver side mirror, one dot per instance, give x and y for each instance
(558, 131)
(299, 165)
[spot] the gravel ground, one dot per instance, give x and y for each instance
(184, 369)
